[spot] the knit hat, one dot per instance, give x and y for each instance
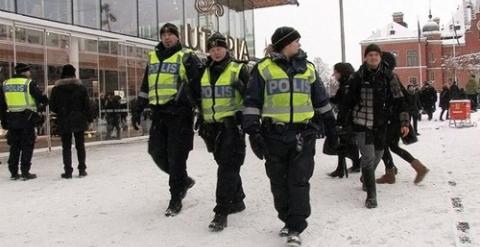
(372, 48)
(283, 36)
(169, 28)
(21, 67)
(217, 40)
(68, 71)
(389, 60)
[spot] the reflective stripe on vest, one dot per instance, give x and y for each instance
(164, 77)
(277, 93)
(222, 99)
(17, 95)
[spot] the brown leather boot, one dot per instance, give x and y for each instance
(388, 178)
(421, 171)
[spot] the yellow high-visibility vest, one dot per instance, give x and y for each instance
(165, 77)
(279, 103)
(17, 95)
(221, 100)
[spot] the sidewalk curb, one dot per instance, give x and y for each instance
(89, 144)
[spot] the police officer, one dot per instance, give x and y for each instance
(20, 100)
(223, 86)
(171, 74)
(285, 105)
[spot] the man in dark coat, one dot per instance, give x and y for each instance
(374, 95)
(113, 115)
(428, 97)
(445, 97)
(70, 101)
(414, 106)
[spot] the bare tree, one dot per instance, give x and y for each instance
(325, 73)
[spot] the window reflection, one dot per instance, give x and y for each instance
(87, 13)
(7, 5)
(170, 11)
(56, 10)
(119, 16)
(147, 26)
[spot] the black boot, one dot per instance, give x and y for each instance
(370, 186)
(218, 223)
(237, 207)
(174, 208)
(355, 167)
(293, 239)
(283, 232)
(28, 176)
(15, 177)
(82, 173)
(340, 171)
(68, 173)
(188, 185)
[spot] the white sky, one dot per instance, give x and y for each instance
(318, 22)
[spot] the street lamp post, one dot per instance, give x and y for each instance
(342, 31)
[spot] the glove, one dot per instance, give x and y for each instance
(259, 148)
(251, 124)
(136, 119)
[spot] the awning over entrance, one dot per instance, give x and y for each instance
(254, 4)
(271, 3)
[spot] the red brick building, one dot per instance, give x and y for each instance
(440, 52)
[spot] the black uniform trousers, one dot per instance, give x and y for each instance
(67, 151)
(227, 142)
(170, 142)
(22, 142)
(289, 171)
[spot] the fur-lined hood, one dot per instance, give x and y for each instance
(68, 81)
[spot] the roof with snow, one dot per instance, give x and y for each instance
(451, 29)
(392, 31)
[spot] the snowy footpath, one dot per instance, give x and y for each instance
(122, 201)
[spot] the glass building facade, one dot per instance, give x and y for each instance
(107, 41)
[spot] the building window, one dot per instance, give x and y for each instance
(147, 26)
(431, 57)
(191, 13)
(119, 16)
(55, 10)
(237, 23)
(431, 75)
(412, 58)
(87, 13)
(249, 28)
(7, 5)
(413, 80)
(5, 32)
(170, 11)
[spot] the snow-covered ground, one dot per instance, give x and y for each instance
(122, 201)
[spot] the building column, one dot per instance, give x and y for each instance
(75, 54)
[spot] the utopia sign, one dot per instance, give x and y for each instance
(210, 7)
(196, 38)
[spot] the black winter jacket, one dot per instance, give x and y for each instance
(376, 97)
(69, 100)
